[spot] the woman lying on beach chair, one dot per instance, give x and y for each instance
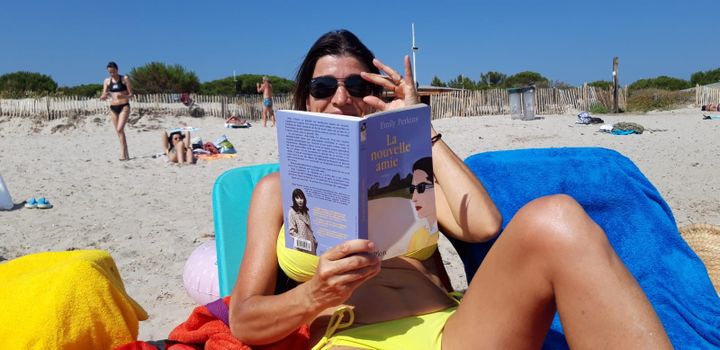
(176, 147)
(511, 300)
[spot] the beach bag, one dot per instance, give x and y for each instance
(224, 145)
(6, 202)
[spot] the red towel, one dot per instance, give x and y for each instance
(207, 328)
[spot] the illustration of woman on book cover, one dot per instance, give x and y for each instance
(299, 224)
(423, 199)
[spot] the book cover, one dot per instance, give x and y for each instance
(345, 177)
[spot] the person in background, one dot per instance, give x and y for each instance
(118, 89)
(267, 90)
(177, 147)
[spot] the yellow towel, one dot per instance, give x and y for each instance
(65, 300)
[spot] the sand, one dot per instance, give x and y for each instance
(150, 215)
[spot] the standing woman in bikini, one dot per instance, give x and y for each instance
(118, 88)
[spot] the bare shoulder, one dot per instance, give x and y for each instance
(267, 191)
(269, 183)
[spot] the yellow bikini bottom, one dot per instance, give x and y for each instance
(414, 332)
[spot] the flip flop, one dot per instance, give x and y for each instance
(43, 203)
(31, 203)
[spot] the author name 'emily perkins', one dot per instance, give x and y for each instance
(398, 122)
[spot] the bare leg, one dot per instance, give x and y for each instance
(552, 255)
(119, 122)
(189, 156)
(180, 150)
(272, 117)
(264, 116)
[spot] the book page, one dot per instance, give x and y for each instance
(319, 167)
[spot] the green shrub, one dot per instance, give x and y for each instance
(662, 82)
(601, 84)
(246, 84)
(526, 78)
(706, 77)
(655, 99)
(437, 82)
(157, 78)
(87, 90)
(599, 108)
(26, 84)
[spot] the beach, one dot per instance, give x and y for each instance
(150, 215)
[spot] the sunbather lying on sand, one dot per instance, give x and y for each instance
(177, 147)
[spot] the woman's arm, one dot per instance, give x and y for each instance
(465, 210)
(259, 317)
(104, 94)
(129, 86)
(165, 143)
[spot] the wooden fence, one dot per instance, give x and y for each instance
(447, 104)
(547, 101)
(706, 95)
(54, 107)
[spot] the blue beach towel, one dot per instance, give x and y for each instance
(638, 222)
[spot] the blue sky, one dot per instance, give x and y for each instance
(569, 41)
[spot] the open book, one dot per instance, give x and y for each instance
(345, 177)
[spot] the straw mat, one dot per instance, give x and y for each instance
(704, 239)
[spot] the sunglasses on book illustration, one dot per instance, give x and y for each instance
(421, 187)
(325, 86)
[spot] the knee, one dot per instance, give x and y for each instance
(556, 222)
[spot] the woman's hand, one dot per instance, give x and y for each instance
(405, 92)
(340, 271)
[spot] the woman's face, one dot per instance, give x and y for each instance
(112, 71)
(424, 202)
(175, 139)
(339, 67)
(300, 201)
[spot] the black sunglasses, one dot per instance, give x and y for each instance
(325, 86)
(421, 187)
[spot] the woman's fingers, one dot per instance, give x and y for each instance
(408, 72)
(403, 87)
(354, 246)
(394, 76)
(379, 79)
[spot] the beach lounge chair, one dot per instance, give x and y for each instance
(614, 192)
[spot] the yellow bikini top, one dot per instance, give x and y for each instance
(301, 266)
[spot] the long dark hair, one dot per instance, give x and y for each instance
(335, 43)
(300, 209)
(425, 164)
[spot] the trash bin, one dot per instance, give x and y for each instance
(529, 103)
(515, 104)
(522, 103)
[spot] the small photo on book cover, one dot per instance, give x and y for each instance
(299, 226)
